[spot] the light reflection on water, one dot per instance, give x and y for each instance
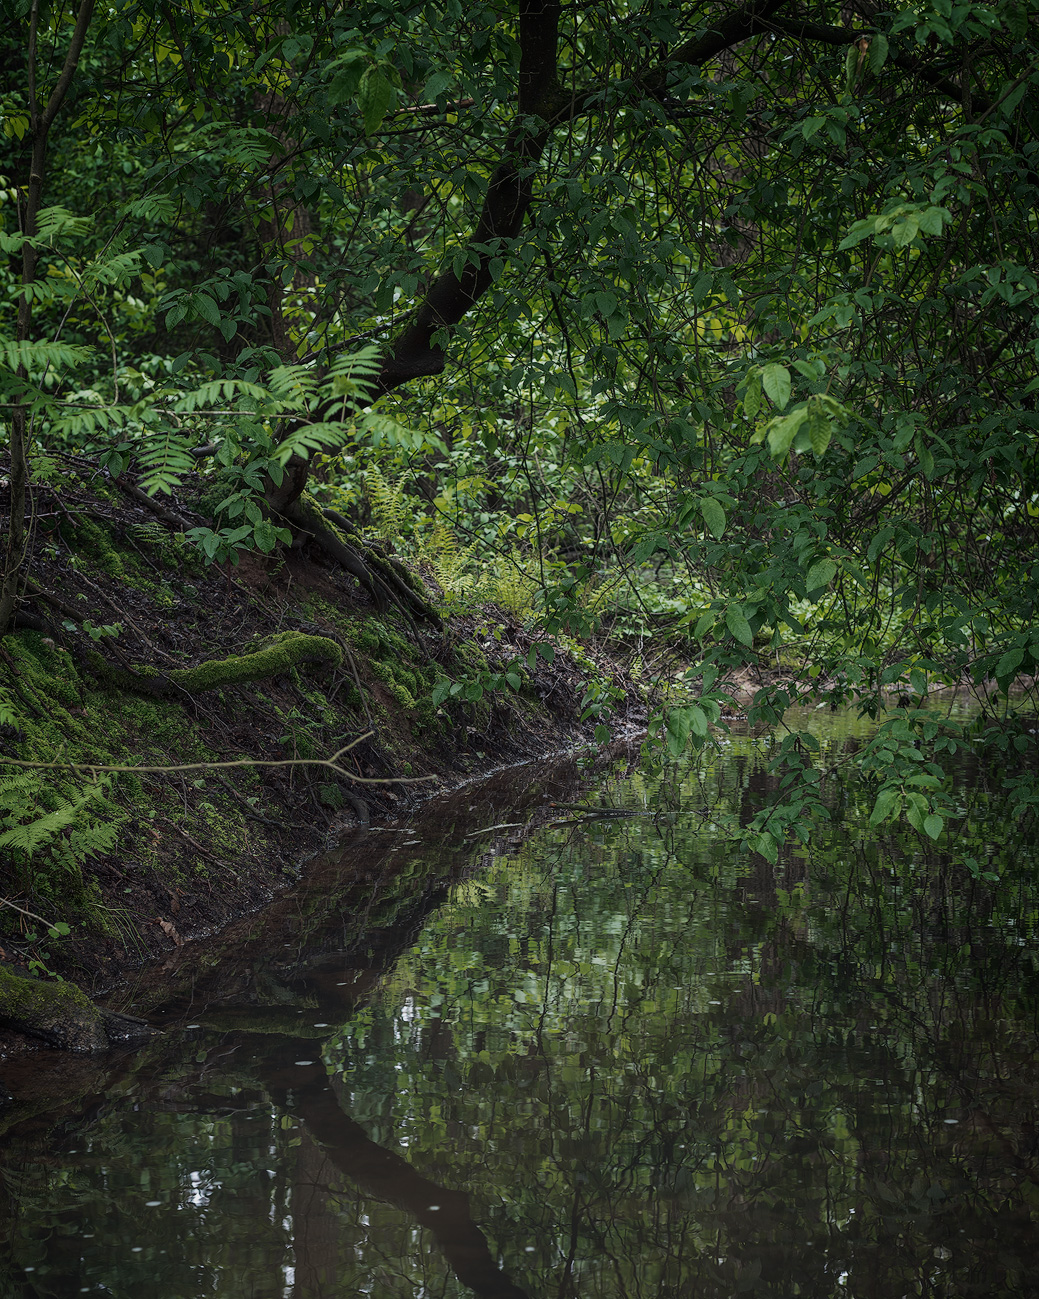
(616, 1061)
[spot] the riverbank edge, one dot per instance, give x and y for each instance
(276, 665)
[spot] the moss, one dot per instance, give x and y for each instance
(50, 671)
(60, 1013)
(285, 651)
(94, 541)
(282, 654)
(377, 639)
(64, 1016)
(390, 677)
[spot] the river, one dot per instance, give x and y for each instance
(606, 1058)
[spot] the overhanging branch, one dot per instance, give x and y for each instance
(544, 106)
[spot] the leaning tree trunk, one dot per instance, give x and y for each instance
(544, 105)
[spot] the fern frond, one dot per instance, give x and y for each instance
(382, 430)
(450, 564)
(82, 423)
(361, 366)
(310, 438)
(116, 270)
(38, 356)
(27, 830)
(58, 222)
(387, 503)
(166, 459)
(292, 386)
(156, 207)
(219, 391)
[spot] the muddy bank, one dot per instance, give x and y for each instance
(130, 652)
(332, 932)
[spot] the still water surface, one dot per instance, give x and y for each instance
(610, 1059)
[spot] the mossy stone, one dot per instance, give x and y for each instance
(59, 1013)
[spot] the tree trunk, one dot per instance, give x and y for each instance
(419, 350)
(21, 428)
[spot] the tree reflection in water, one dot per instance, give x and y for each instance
(620, 1062)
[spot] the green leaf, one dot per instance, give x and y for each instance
(768, 847)
(931, 219)
(776, 381)
(851, 68)
(1007, 666)
(677, 729)
(752, 394)
(206, 308)
(878, 48)
(926, 459)
(859, 231)
(821, 574)
(888, 804)
(820, 432)
(437, 84)
(916, 810)
(782, 431)
(906, 231)
(738, 625)
(713, 516)
(375, 94)
(933, 825)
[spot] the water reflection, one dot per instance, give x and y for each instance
(615, 1061)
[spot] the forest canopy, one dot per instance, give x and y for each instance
(710, 329)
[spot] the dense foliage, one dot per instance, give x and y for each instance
(711, 328)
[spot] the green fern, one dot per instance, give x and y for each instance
(166, 459)
(451, 565)
(308, 439)
(387, 502)
(28, 830)
(38, 356)
(221, 391)
(8, 714)
(156, 207)
(48, 833)
(512, 581)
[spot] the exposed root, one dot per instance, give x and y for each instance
(170, 517)
(287, 650)
(387, 582)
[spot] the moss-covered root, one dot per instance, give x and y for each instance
(64, 1016)
(287, 650)
(388, 582)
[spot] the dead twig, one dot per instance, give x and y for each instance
(332, 763)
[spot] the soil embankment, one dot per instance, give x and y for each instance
(130, 652)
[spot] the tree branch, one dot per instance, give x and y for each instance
(803, 30)
(544, 106)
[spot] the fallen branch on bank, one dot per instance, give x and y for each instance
(332, 764)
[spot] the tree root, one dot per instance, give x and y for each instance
(170, 517)
(387, 582)
(287, 650)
